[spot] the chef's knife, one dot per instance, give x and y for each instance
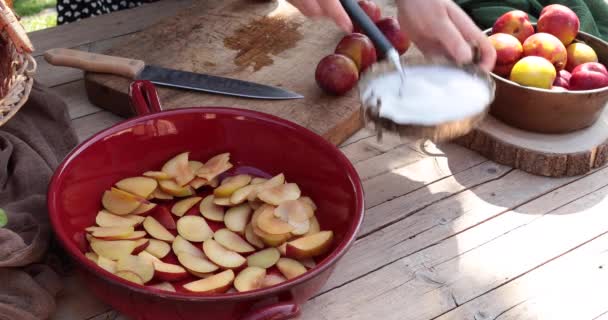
(139, 70)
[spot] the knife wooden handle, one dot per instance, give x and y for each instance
(94, 62)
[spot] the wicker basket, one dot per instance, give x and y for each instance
(17, 65)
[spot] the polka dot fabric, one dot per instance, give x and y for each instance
(74, 10)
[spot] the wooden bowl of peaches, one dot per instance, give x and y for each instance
(550, 76)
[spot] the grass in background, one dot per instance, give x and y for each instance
(36, 14)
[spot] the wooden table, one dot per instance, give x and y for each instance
(447, 234)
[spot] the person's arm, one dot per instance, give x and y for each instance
(435, 26)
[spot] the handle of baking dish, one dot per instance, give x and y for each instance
(144, 97)
(278, 311)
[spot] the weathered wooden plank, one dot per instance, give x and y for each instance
(458, 269)
(91, 124)
(76, 302)
(573, 286)
(359, 135)
(369, 147)
(105, 26)
(74, 96)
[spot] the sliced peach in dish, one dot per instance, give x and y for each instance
(136, 235)
(146, 255)
(279, 194)
(169, 272)
(269, 223)
(119, 202)
(255, 204)
(144, 268)
(197, 183)
(109, 233)
(250, 278)
(181, 245)
(308, 262)
(283, 249)
(181, 207)
(179, 169)
(231, 184)
(236, 218)
(92, 256)
(269, 239)
(273, 182)
(130, 276)
(240, 195)
(232, 241)
(299, 228)
(157, 230)
(272, 279)
(309, 201)
(158, 175)
(224, 202)
(195, 165)
(211, 210)
(141, 245)
(290, 268)
(294, 210)
(164, 286)
(107, 264)
(314, 226)
(253, 238)
(214, 183)
(172, 188)
(201, 274)
(258, 180)
(215, 166)
(218, 283)
(264, 259)
(144, 208)
(157, 248)
(310, 246)
(164, 217)
(194, 228)
(221, 256)
(196, 264)
(140, 186)
(107, 219)
(161, 195)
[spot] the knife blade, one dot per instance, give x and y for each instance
(138, 70)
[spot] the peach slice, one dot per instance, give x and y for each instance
(273, 182)
(279, 194)
(107, 264)
(218, 283)
(159, 249)
(178, 168)
(314, 227)
(119, 202)
(146, 255)
(310, 246)
(269, 239)
(283, 249)
(250, 278)
(236, 218)
(264, 259)
(214, 183)
(157, 230)
(169, 272)
(211, 210)
(308, 263)
(172, 188)
(221, 256)
(158, 175)
(109, 233)
(163, 286)
(164, 217)
(181, 245)
(215, 166)
(272, 279)
(92, 256)
(290, 268)
(258, 180)
(255, 204)
(144, 208)
(194, 228)
(309, 201)
(130, 276)
(113, 250)
(201, 274)
(181, 207)
(294, 210)
(240, 195)
(268, 223)
(144, 268)
(198, 183)
(107, 219)
(136, 235)
(196, 264)
(299, 228)
(140, 186)
(221, 201)
(195, 165)
(232, 241)
(231, 184)
(161, 195)
(253, 238)
(141, 245)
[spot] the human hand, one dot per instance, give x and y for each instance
(441, 27)
(325, 8)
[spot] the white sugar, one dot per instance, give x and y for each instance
(431, 95)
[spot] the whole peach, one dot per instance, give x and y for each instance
(391, 28)
(337, 74)
(588, 76)
(562, 79)
(508, 48)
(504, 70)
(359, 48)
(579, 53)
(547, 46)
(559, 21)
(534, 71)
(371, 9)
(516, 23)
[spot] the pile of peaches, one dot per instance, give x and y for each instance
(339, 72)
(548, 57)
(237, 233)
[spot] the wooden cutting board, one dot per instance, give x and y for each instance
(267, 42)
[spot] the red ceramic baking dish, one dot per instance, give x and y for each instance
(257, 142)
